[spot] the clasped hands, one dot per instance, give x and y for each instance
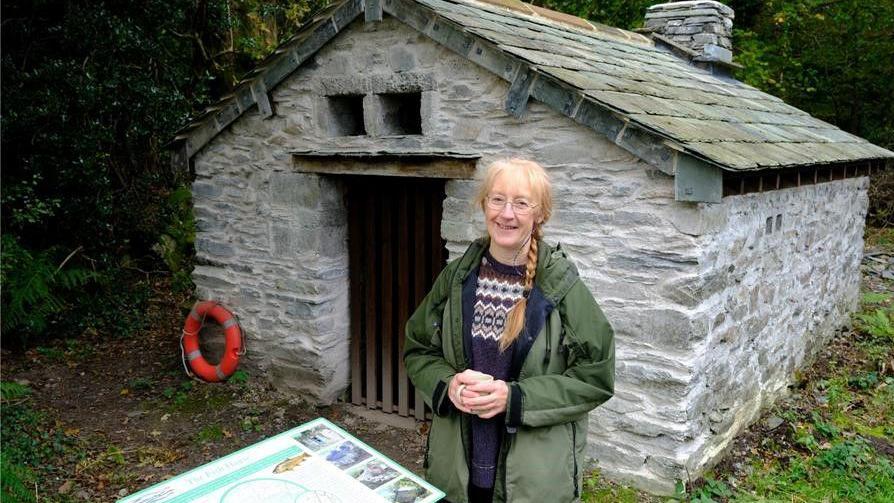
(476, 393)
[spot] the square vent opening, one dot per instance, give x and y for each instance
(346, 115)
(401, 113)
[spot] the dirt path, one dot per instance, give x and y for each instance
(136, 419)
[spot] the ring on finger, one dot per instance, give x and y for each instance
(459, 393)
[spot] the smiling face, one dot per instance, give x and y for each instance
(509, 231)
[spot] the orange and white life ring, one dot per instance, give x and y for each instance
(190, 341)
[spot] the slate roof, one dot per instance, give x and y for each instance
(638, 92)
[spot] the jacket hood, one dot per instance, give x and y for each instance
(555, 273)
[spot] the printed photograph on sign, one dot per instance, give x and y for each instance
(373, 474)
(291, 463)
(403, 491)
(319, 437)
(347, 455)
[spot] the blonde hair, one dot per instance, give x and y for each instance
(541, 192)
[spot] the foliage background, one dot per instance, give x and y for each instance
(92, 91)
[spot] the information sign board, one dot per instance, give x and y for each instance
(317, 462)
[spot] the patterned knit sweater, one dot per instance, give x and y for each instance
(499, 287)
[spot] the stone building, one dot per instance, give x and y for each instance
(719, 228)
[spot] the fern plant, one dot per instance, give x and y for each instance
(34, 287)
(10, 390)
(879, 323)
(14, 481)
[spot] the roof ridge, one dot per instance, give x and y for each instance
(567, 21)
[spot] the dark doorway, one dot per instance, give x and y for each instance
(396, 252)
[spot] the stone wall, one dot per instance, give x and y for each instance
(777, 275)
(778, 281)
(271, 243)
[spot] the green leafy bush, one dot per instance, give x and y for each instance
(34, 285)
(175, 245)
(712, 489)
(824, 428)
(845, 456)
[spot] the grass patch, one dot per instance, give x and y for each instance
(210, 433)
(141, 384)
(598, 490)
(239, 377)
(190, 397)
(873, 298)
(51, 353)
(879, 237)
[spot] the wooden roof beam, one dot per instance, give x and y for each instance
(696, 180)
(372, 10)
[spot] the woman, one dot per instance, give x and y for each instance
(511, 352)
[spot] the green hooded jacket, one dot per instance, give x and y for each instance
(562, 368)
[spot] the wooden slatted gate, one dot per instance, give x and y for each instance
(396, 252)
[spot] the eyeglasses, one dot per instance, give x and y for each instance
(520, 206)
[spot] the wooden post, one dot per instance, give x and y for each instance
(356, 238)
(403, 302)
(387, 301)
(371, 314)
(419, 277)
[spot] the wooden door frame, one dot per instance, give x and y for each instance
(407, 166)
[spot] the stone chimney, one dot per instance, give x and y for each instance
(703, 26)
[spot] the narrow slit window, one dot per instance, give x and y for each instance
(401, 113)
(346, 115)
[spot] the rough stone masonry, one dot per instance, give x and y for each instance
(704, 26)
(713, 305)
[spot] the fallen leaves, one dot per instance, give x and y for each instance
(158, 457)
(65, 488)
